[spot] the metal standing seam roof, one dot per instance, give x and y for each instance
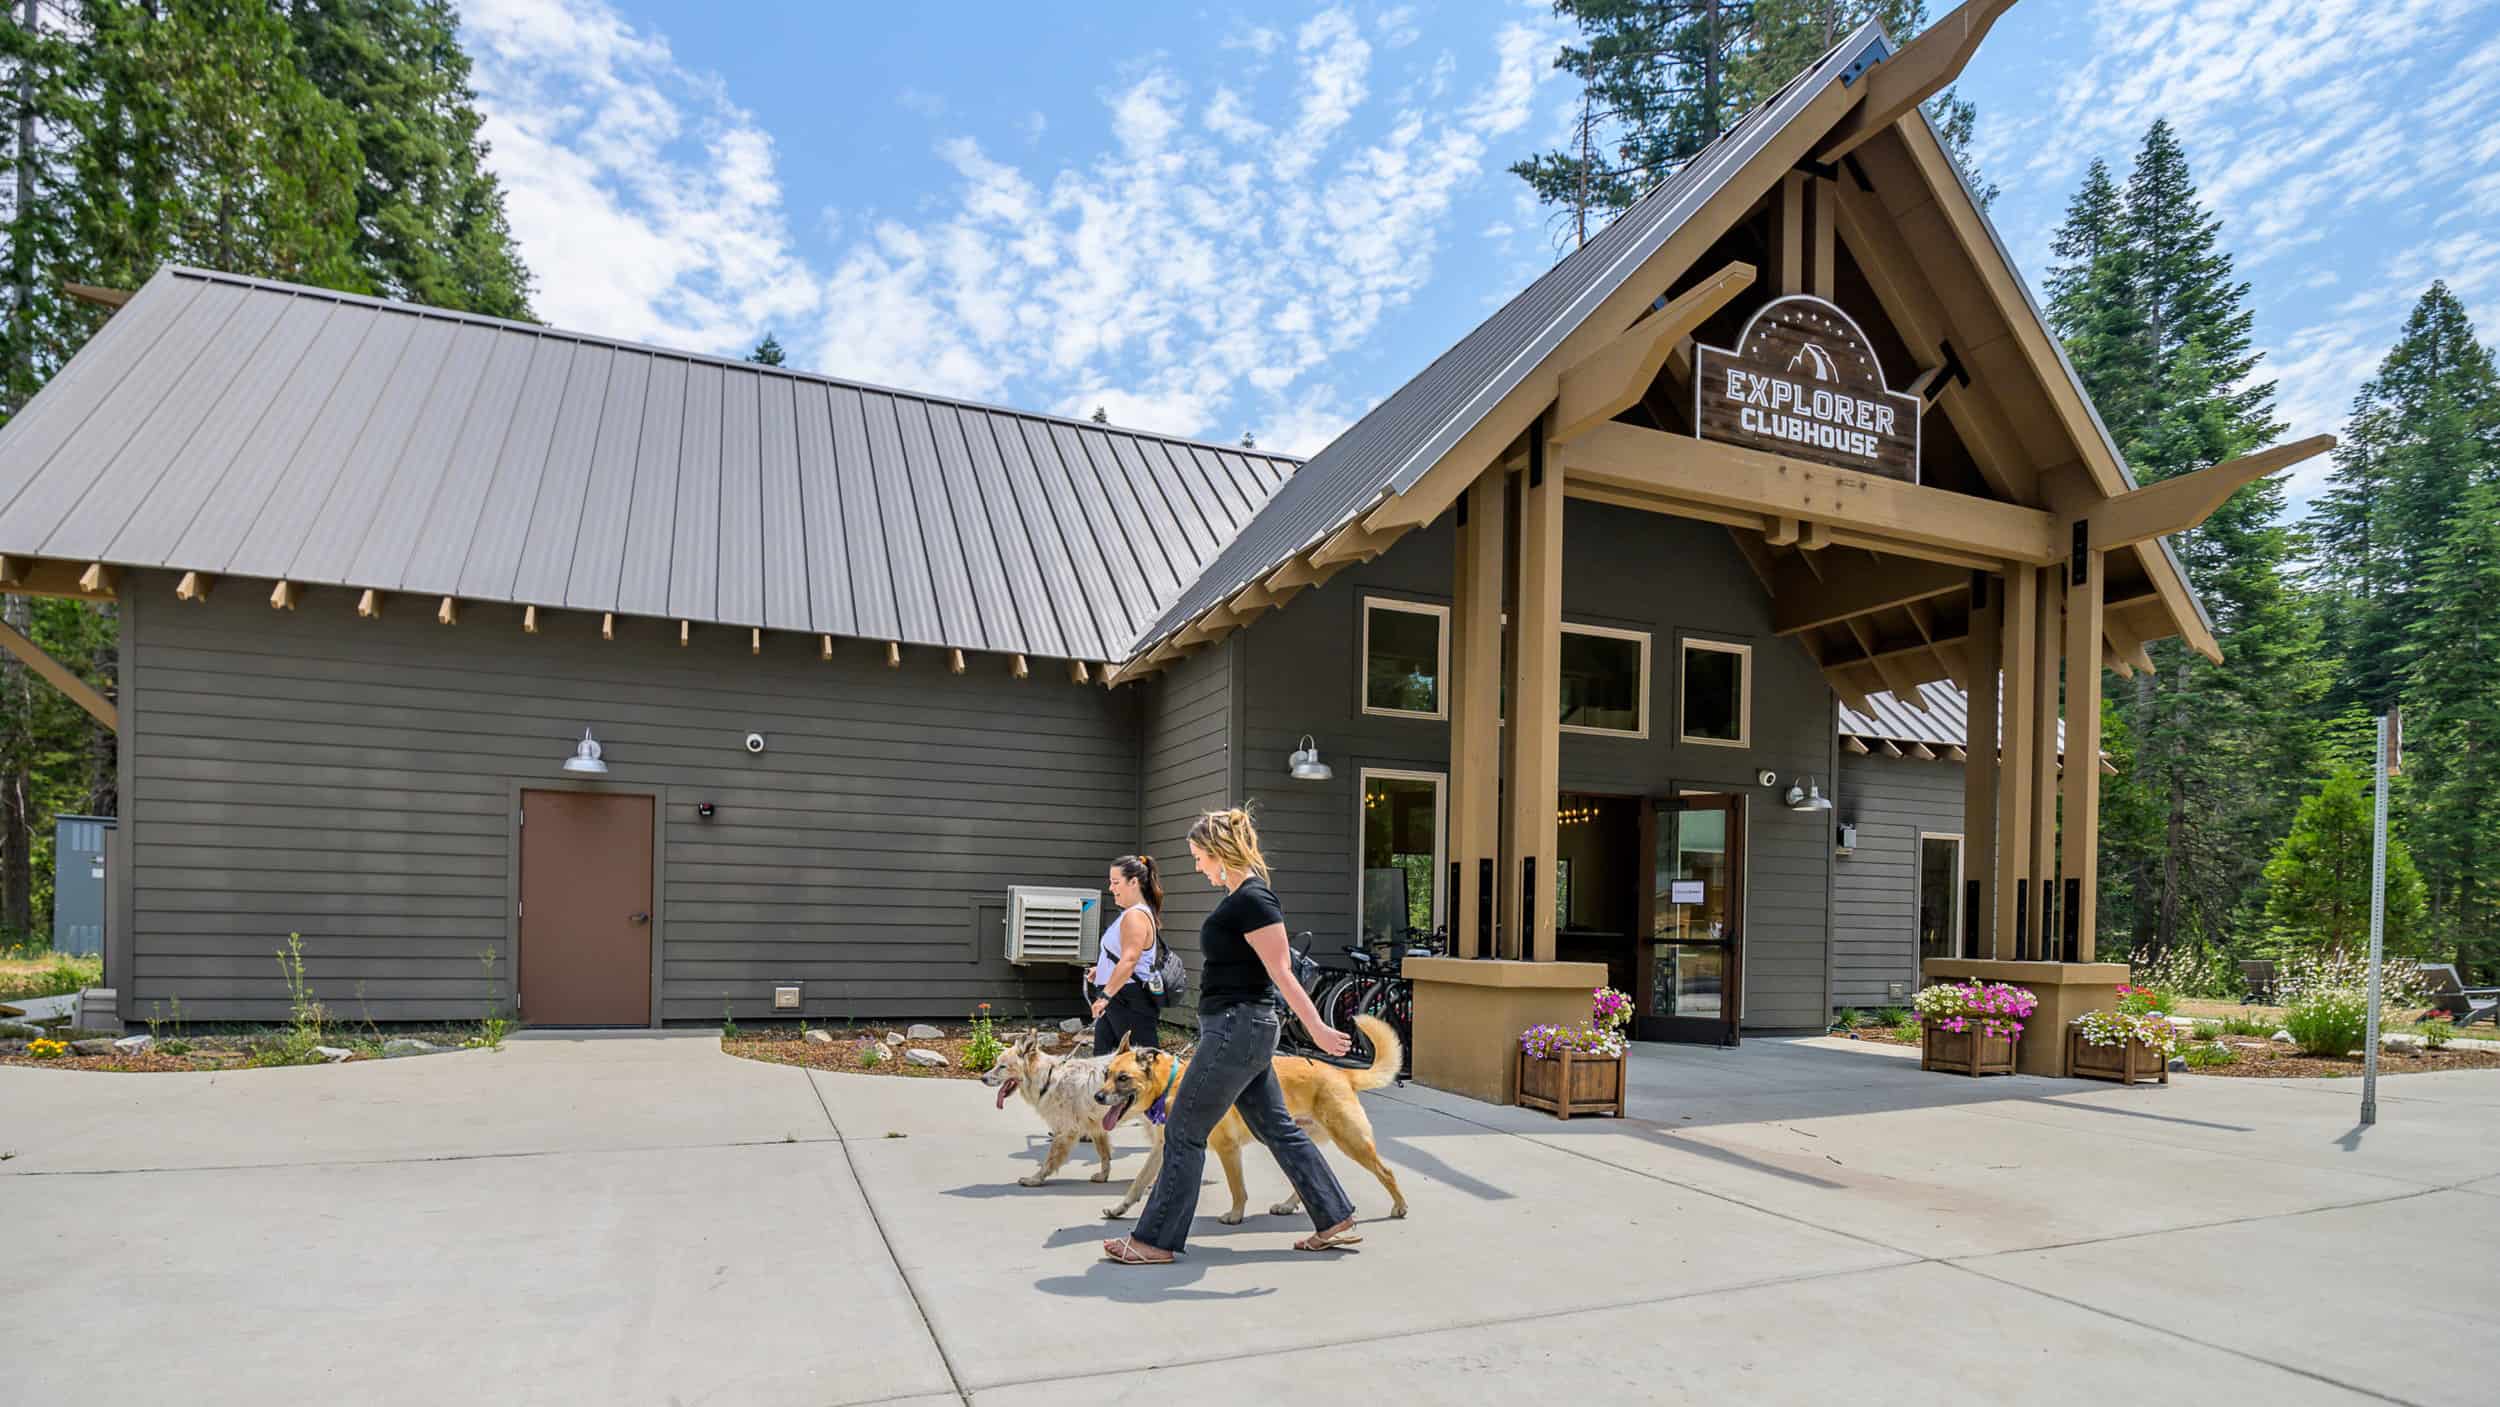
(242, 427)
(1946, 723)
(1399, 440)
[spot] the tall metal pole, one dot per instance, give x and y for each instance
(2378, 934)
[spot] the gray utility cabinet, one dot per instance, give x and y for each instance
(78, 883)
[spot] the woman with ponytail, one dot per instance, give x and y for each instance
(1121, 1003)
(1244, 967)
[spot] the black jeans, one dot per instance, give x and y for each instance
(1234, 1069)
(1132, 1012)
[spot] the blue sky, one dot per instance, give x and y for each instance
(1264, 218)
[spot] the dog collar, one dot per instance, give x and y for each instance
(1047, 1076)
(1158, 1111)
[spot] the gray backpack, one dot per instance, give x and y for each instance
(1168, 977)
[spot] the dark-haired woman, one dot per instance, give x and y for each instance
(1122, 1003)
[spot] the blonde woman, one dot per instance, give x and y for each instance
(1244, 966)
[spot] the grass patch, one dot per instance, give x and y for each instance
(48, 975)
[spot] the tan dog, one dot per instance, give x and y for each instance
(1320, 1097)
(1061, 1089)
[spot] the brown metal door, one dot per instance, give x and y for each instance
(585, 909)
(1692, 958)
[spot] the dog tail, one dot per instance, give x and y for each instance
(1388, 1053)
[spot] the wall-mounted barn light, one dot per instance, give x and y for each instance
(1807, 796)
(586, 757)
(1305, 763)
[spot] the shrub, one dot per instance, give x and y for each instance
(2402, 987)
(1891, 1015)
(2208, 1030)
(2328, 1020)
(1906, 1029)
(984, 1050)
(2436, 1034)
(1845, 1019)
(871, 1054)
(2208, 976)
(2199, 1057)
(45, 1048)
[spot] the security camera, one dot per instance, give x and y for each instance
(1767, 777)
(755, 742)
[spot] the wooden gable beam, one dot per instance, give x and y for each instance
(194, 587)
(1612, 379)
(60, 677)
(112, 298)
(2185, 500)
(1917, 72)
(1732, 476)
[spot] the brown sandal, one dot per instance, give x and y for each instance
(1125, 1250)
(1341, 1234)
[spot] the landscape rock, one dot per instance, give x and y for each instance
(2398, 1040)
(893, 1038)
(98, 1045)
(821, 1037)
(132, 1045)
(333, 1054)
(12, 1047)
(2283, 1038)
(925, 1032)
(408, 1045)
(1071, 1025)
(19, 1031)
(917, 1056)
(2178, 1062)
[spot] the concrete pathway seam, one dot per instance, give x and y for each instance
(432, 1158)
(920, 1307)
(2243, 1354)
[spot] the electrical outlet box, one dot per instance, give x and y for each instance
(1896, 989)
(785, 998)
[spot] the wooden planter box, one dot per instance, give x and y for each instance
(2129, 1064)
(1572, 1084)
(1967, 1052)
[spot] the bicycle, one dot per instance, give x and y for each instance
(1376, 985)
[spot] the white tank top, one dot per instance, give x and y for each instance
(1110, 955)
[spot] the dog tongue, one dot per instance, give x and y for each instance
(1003, 1091)
(1112, 1119)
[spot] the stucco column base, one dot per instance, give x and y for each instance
(2066, 990)
(1469, 1013)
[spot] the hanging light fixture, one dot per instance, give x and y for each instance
(1305, 763)
(1807, 796)
(586, 756)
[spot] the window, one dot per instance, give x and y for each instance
(1939, 896)
(1401, 859)
(1406, 655)
(1717, 693)
(1605, 681)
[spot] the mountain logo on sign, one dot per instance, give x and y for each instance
(1820, 364)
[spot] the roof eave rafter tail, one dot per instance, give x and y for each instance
(1922, 69)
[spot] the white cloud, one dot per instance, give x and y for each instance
(646, 203)
(1201, 272)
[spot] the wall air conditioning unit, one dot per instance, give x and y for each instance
(1048, 925)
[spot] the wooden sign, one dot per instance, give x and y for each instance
(1803, 381)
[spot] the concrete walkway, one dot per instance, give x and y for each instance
(645, 1220)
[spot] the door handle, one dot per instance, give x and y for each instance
(640, 918)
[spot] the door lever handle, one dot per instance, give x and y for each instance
(641, 918)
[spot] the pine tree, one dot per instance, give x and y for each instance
(203, 143)
(1660, 79)
(40, 83)
(2421, 430)
(1100, 416)
(2093, 306)
(768, 352)
(430, 223)
(2318, 883)
(2452, 681)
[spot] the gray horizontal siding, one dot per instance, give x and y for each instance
(1186, 737)
(1875, 888)
(1622, 568)
(352, 780)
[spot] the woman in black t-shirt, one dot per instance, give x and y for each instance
(1244, 966)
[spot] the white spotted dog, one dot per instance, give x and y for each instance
(1061, 1089)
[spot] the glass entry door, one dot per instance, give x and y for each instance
(1692, 957)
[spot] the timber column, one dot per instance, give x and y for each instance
(2081, 846)
(1475, 716)
(1535, 781)
(2051, 644)
(2018, 773)
(1979, 770)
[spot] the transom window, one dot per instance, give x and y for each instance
(1717, 693)
(1605, 681)
(1406, 655)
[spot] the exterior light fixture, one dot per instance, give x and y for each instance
(586, 757)
(1306, 765)
(1807, 796)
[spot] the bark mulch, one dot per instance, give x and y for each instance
(146, 1062)
(2267, 1060)
(789, 1047)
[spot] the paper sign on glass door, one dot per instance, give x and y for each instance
(1684, 891)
